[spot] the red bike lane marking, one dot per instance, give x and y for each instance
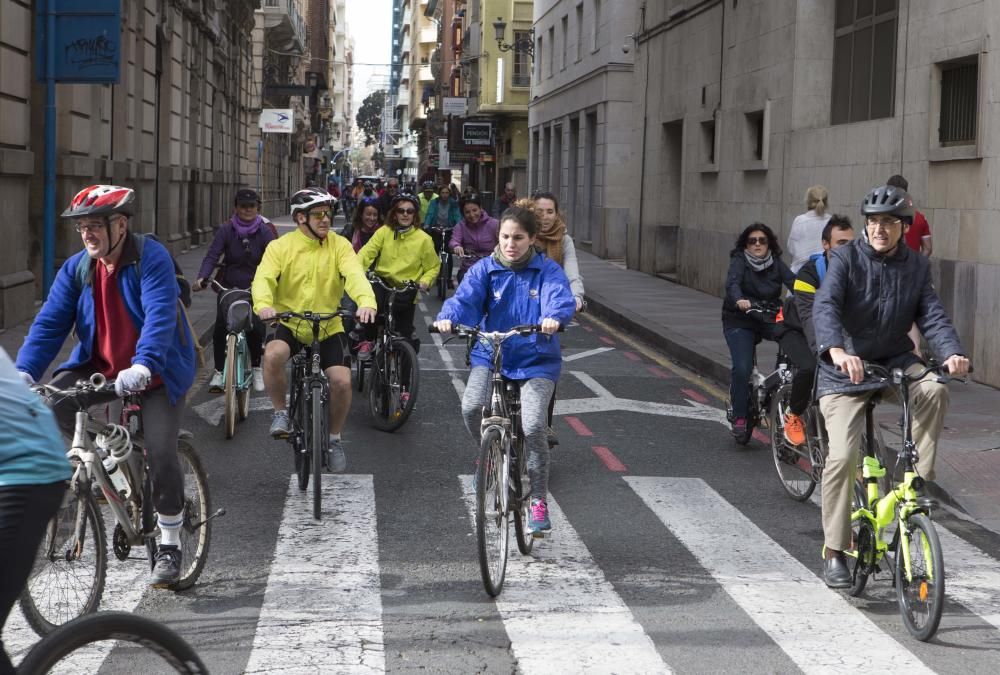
(759, 435)
(606, 340)
(579, 427)
(694, 395)
(632, 356)
(610, 460)
(659, 372)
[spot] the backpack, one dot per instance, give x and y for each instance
(139, 240)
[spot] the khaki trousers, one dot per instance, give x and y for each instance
(845, 425)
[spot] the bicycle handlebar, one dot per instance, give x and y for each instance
(407, 285)
(898, 375)
(523, 330)
(313, 317)
(96, 383)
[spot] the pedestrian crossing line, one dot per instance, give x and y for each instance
(560, 612)
(818, 629)
(322, 610)
(124, 586)
(457, 382)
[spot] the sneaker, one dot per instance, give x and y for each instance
(218, 383)
(167, 567)
(795, 432)
(538, 516)
(550, 436)
(739, 426)
(281, 426)
(336, 460)
(404, 399)
(258, 379)
(365, 350)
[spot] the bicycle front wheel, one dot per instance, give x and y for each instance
(319, 440)
(920, 577)
(230, 386)
(108, 628)
(442, 282)
(196, 531)
(245, 380)
(71, 565)
(492, 512)
(300, 443)
(795, 470)
(865, 543)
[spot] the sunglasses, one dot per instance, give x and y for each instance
(320, 215)
(756, 240)
(405, 212)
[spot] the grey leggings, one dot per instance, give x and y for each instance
(535, 395)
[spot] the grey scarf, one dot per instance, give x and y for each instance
(758, 264)
(518, 264)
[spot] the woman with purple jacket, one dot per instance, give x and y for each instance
(476, 235)
(240, 242)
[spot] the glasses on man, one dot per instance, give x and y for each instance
(883, 223)
(405, 212)
(88, 227)
(753, 241)
(320, 215)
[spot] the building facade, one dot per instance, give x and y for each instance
(582, 91)
(174, 128)
(746, 104)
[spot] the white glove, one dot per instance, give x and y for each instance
(28, 379)
(133, 378)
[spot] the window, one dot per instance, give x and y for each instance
(538, 58)
(565, 39)
(522, 66)
(959, 99)
(864, 60)
(579, 31)
(755, 135)
(708, 142)
(597, 23)
(552, 50)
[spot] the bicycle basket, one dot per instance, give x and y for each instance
(237, 309)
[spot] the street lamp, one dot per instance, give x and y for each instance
(524, 44)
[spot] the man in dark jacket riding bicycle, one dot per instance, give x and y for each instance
(875, 288)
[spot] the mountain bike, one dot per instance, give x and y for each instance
(444, 254)
(68, 576)
(175, 653)
(309, 405)
(390, 378)
(238, 370)
(502, 485)
(917, 560)
(762, 387)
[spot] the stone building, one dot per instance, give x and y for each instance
(174, 128)
(744, 104)
(581, 98)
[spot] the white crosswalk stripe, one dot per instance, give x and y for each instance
(322, 610)
(814, 625)
(561, 613)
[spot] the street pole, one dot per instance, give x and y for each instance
(49, 236)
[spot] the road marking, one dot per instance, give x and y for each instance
(605, 401)
(422, 306)
(125, 584)
(561, 613)
(814, 625)
(457, 382)
(610, 460)
(694, 395)
(214, 409)
(761, 436)
(972, 576)
(579, 427)
(658, 372)
(589, 352)
(322, 609)
(632, 356)
(606, 340)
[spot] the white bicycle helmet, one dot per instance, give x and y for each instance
(303, 200)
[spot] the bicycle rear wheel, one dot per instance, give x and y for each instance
(319, 440)
(442, 282)
(196, 532)
(245, 380)
(521, 492)
(492, 511)
(107, 627)
(394, 373)
(921, 591)
(230, 386)
(67, 579)
(793, 465)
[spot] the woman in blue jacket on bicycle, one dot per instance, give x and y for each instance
(516, 286)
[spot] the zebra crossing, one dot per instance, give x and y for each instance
(322, 606)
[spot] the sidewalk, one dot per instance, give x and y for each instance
(687, 325)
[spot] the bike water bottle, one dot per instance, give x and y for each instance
(117, 476)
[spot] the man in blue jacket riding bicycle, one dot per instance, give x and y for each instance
(129, 325)
(875, 289)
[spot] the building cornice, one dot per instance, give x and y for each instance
(597, 72)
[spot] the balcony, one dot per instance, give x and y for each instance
(284, 24)
(427, 35)
(424, 74)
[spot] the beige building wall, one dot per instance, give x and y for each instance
(175, 135)
(581, 101)
(722, 65)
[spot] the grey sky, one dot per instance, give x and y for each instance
(370, 24)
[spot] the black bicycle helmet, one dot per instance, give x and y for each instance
(428, 185)
(405, 197)
(888, 200)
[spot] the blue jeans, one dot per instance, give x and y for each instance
(741, 342)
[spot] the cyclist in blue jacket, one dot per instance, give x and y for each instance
(515, 286)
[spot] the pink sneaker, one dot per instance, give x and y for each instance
(365, 350)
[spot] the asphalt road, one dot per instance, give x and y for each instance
(672, 548)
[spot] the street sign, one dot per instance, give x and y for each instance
(477, 133)
(85, 44)
(454, 105)
(277, 120)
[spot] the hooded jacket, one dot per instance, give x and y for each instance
(742, 282)
(499, 298)
(480, 238)
(165, 345)
(239, 262)
(866, 306)
(398, 259)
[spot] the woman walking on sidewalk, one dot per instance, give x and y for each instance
(240, 242)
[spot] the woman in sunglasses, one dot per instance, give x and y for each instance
(756, 275)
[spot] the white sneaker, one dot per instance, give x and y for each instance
(217, 383)
(258, 379)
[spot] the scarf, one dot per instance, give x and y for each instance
(244, 229)
(758, 264)
(514, 265)
(550, 241)
(400, 231)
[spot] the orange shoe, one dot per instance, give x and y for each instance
(795, 432)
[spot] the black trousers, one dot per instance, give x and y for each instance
(24, 512)
(794, 344)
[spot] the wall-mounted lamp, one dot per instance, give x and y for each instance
(524, 44)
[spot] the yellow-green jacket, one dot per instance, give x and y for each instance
(299, 274)
(409, 257)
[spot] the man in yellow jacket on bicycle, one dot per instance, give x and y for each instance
(308, 270)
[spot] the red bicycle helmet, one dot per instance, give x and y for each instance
(101, 200)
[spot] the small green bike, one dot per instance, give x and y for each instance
(917, 560)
